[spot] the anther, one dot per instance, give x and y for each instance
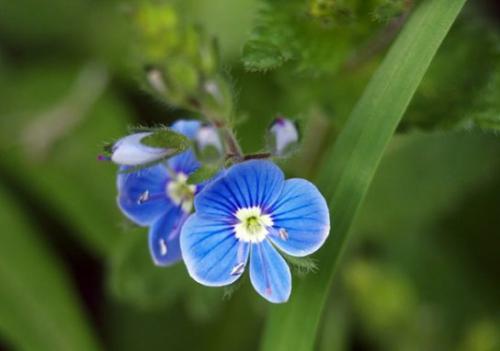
(238, 269)
(143, 197)
(163, 247)
(283, 234)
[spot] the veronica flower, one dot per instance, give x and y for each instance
(252, 213)
(160, 197)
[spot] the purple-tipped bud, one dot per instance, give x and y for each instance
(208, 145)
(283, 137)
(103, 158)
(129, 151)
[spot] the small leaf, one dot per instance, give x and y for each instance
(203, 174)
(167, 139)
(262, 56)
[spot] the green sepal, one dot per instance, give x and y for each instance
(167, 139)
(301, 265)
(204, 173)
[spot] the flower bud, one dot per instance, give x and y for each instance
(208, 145)
(283, 137)
(129, 151)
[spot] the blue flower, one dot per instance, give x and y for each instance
(252, 213)
(160, 197)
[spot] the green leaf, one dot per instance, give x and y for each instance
(317, 35)
(485, 114)
(261, 56)
(454, 93)
(204, 173)
(167, 139)
(39, 309)
(351, 164)
(137, 281)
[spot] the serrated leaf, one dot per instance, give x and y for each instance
(39, 308)
(261, 56)
(455, 94)
(167, 139)
(202, 174)
(485, 114)
(317, 34)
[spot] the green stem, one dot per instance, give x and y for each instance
(260, 155)
(233, 147)
(350, 166)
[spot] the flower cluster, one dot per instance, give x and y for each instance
(247, 215)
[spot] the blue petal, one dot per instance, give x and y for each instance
(211, 252)
(303, 213)
(269, 273)
(186, 127)
(186, 162)
(164, 243)
(247, 184)
(132, 187)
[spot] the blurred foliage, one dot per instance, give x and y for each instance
(462, 86)
(422, 272)
(315, 35)
(49, 148)
(37, 298)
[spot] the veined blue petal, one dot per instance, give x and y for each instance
(269, 273)
(247, 184)
(164, 235)
(185, 162)
(302, 212)
(187, 127)
(211, 252)
(141, 194)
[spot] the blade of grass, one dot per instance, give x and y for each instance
(350, 166)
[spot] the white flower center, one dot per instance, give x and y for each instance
(253, 224)
(180, 192)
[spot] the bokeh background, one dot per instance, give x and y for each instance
(422, 270)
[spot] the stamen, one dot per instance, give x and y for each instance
(163, 247)
(143, 197)
(181, 192)
(283, 234)
(238, 269)
(253, 225)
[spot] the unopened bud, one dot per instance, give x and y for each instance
(208, 145)
(129, 151)
(155, 79)
(283, 137)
